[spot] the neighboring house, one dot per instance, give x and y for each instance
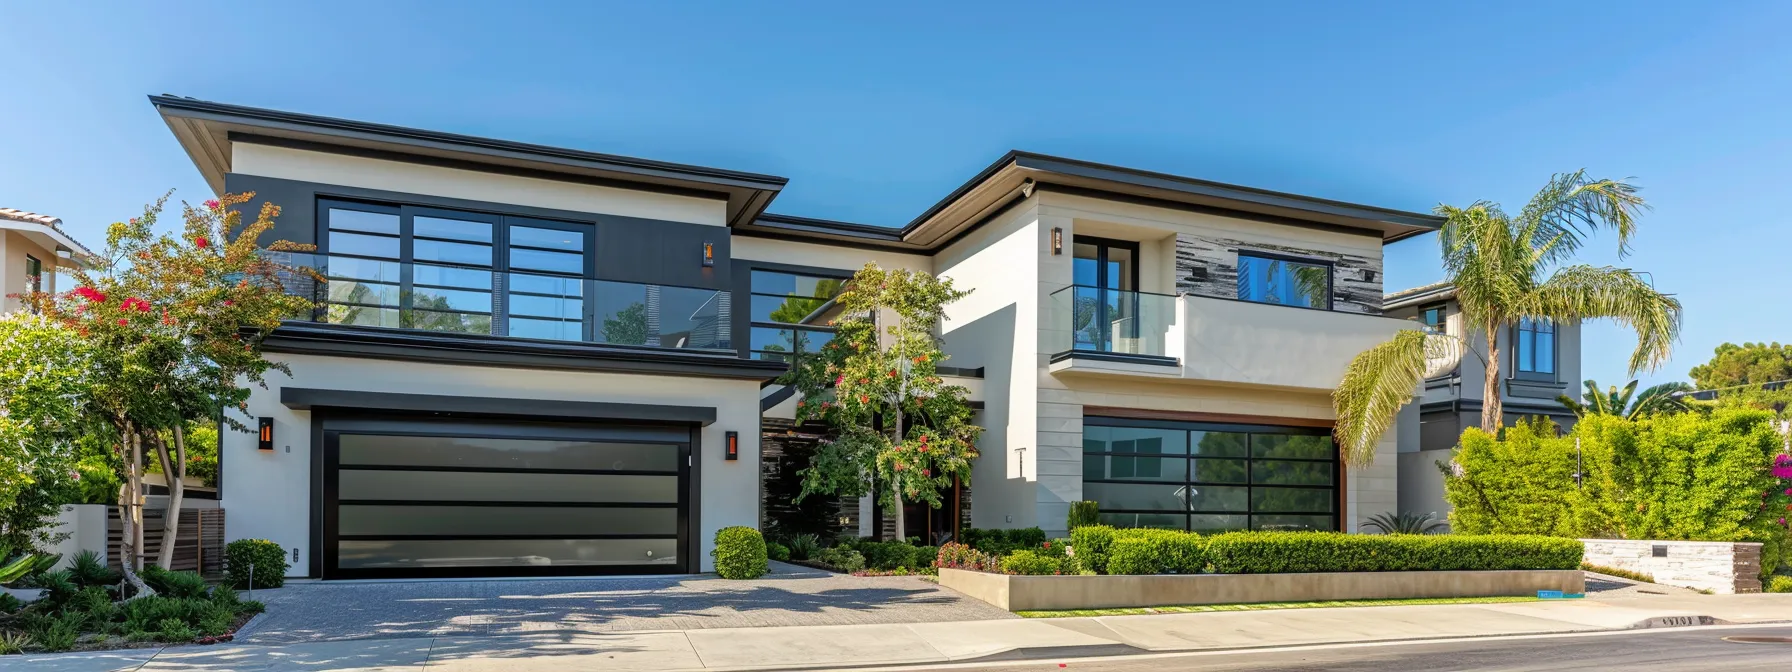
(537, 360)
(32, 248)
(1539, 361)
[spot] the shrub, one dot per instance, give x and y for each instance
(881, 555)
(1002, 542)
(1285, 552)
(58, 634)
(740, 553)
(10, 604)
(175, 584)
(777, 551)
(925, 555)
(1779, 584)
(12, 642)
(841, 558)
(1157, 552)
(267, 558)
(804, 546)
(87, 568)
(1031, 563)
(1091, 544)
(57, 586)
(1083, 513)
(175, 630)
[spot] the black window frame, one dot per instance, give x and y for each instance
(1339, 505)
(1331, 276)
(1518, 332)
(34, 282)
(794, 354)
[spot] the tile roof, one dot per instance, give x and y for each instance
(55, 224)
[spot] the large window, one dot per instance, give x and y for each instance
(1210, 478)
(791, 313)
(1535, 346)
(1289, 282)
(1433, 319)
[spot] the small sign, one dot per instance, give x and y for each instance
(1659, 551)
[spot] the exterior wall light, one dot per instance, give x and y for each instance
(732, 446)
(1057, 240)
(709, 254)
(264, 433)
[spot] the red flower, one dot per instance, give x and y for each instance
(923, 447)
(213, 204)
(91, 294)
(122, 321)
(864, 399)
(923, 438)
(1048, 544)
(892, 373)
(201, 241)
(921, 358)
(926, 472)
(134, 303)
(840, 381)
(228, 303)
(899, 466)
(862, 381)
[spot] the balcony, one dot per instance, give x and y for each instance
(484, 302)
(1207, 340)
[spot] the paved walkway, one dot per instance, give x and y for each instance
(306, 612)
(718, 649)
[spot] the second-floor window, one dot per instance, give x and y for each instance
(1288, 282)
(1433, 319)
(791, 312)
(34, 274)
(1535, 346)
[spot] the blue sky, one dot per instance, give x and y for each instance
(875, 113)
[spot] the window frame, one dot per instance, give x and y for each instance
(34, 282)
(1331, 275)
(1337, 487)
(752, 323)
(1517, 332)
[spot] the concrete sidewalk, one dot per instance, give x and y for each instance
(913, 643)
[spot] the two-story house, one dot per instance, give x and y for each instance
(32, 248)
(1539, 361)
(535, 360)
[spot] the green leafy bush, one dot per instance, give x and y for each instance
(175, 584)
(804, 546)
(1083, 513)
(12, 642)
(87, 568)
(841, 558)
(740, 553)
(777, 551)
(1090, 544)
(57, 634)
(1779, 584)
(10, 604)
(1157, 552)
(1031, 563)
(1284, 552)
(267, 558)
(1685, 476)
(1002, 541)
(175, 630)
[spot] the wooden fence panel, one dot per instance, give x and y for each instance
(199, 546)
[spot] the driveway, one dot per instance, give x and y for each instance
(315, 611)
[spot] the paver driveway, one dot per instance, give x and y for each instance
(790, 595)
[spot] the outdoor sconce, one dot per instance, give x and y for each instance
(1057, 241)
(732, 446)
(1368, 275)
(265, 433)
(709, 254)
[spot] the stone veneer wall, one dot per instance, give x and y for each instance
(1718, 566)
(1356, 279)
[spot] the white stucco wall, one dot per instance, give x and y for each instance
(327, 168)
(268, 493)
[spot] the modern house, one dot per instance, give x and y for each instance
(1539, 362)
(535, 360)
(32, 248)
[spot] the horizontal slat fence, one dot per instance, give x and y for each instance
(199, 546)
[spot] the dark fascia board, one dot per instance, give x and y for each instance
(433, 347)
(203, 127)
(1121, 357)
(304, 399)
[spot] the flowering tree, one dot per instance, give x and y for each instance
(894, 419)
(174, 325)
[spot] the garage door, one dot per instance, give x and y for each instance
(419, 499)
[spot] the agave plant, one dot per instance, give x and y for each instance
(1404, 523)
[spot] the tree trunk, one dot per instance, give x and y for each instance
(1492, 408)
(131, 513)
(177, 489)
(896, 484)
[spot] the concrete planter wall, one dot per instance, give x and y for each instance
(1722, 567)
(1034, 593)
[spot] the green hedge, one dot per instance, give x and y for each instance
(1003, 542)
(1288, 552)
(740, 553)
(1779, 584)
(1032, 563)
(268, 559)
(1091, 544)
(1157, 552)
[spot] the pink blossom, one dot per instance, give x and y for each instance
(122, 321)
(213, 204)
(91, 294)
(201, 242)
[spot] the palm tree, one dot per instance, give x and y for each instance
(1626, 402)
(1506, 268)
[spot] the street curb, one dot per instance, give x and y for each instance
(1677, 622)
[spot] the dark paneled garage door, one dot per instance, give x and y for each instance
(408, 498)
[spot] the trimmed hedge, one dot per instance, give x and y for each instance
(1002, 542)
(268, 559)
(740, 553)
(1779, 584)
(1091, 544)
(1289, 552)
(1157, 552)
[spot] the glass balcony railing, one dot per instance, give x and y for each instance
(1111, 320)
(472, 300)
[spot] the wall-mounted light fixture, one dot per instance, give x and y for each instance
(1368, 275)
(732, 446)
(265, 433)
(709, 254)
(1057, 240)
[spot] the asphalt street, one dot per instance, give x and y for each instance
(1655, 650)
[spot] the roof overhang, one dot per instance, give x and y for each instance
(206, 130)
(53, 239)
(1419, 295)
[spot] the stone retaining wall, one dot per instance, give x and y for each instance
(1718, 566)
(1034, 593)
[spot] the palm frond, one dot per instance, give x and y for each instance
(1376, 384)
(1573, 205)
(1581, 292)
(1660, 399)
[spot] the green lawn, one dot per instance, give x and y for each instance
(1196, 609)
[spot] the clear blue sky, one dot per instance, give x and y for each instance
(876, 113)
